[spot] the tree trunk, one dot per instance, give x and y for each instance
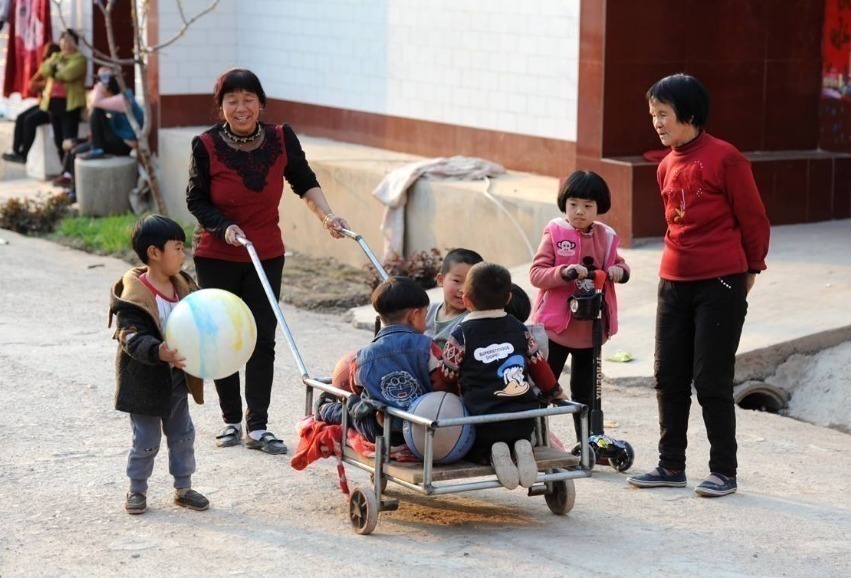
(145, 157)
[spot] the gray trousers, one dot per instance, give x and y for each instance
(180, 438)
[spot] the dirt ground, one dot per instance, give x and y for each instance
(316, 284)
(63, 451)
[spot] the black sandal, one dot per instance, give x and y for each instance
(229, 436)
(267, 443)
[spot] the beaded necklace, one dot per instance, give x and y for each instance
(233, 137)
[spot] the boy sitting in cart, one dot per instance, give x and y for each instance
(395, 369)
(491, 357)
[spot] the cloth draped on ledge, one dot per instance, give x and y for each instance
(393, 190)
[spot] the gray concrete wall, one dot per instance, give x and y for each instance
(504, 225)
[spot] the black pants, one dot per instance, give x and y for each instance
(25, 127)
(102, 136)
(242, 280)
(698, 326)
(582, 379)
(71, 156)
(66, 123)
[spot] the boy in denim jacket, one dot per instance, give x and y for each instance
(397, 367)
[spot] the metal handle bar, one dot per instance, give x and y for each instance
(370, 255)
(273, 301)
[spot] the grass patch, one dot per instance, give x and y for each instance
(103, 235)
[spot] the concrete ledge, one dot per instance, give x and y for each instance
(104, 185)
(505, 227)
(9, 171)
(43, 161)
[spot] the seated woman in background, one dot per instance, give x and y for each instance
(28, 121)
(111, 133)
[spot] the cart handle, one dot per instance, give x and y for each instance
(273, 302)
(370, 255)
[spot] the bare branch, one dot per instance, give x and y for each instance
(186, 23)
(98, 56)
(141, 51)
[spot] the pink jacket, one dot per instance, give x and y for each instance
(560, 247)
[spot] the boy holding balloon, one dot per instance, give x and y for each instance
(150, 383)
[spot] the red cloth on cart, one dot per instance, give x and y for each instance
(319, 440)
(316, 440)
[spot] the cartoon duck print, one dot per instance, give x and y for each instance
(513, 374)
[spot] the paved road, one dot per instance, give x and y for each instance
(63, 449)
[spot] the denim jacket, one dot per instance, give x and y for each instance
(394, 368)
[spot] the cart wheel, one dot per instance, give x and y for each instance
(577, 451)
(363, 511)
(623, 461)
(562, 497)
(383, 482)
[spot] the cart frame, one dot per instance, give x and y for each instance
(556, 469)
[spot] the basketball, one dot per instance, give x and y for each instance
(214, 330)
(450, 443)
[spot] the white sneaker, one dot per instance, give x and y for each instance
(527, 467)
(503, 465)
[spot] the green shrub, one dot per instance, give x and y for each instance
(38, 215)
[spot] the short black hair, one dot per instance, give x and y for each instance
(585, 185)
(686, 95)
(112, 86)
(72, 33)
(520, 306)
(49, 50)
(459, 255)
(395, 296)
(488, 286)
(235, 80)
(154, 230)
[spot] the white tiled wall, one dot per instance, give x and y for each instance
(191, 64)
(504, 65)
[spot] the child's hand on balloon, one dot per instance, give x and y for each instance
(171, 356)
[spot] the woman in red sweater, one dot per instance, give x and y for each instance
(715, 245)
(236, 180)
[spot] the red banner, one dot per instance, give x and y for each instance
(29, 31)
(836, 49)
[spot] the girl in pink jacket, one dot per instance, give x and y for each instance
(571, 246)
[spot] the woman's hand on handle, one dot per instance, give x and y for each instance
(231, 235)
(334, 224)
(318, 205)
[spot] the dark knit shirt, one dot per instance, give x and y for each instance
(244, 188)
(491, 356)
